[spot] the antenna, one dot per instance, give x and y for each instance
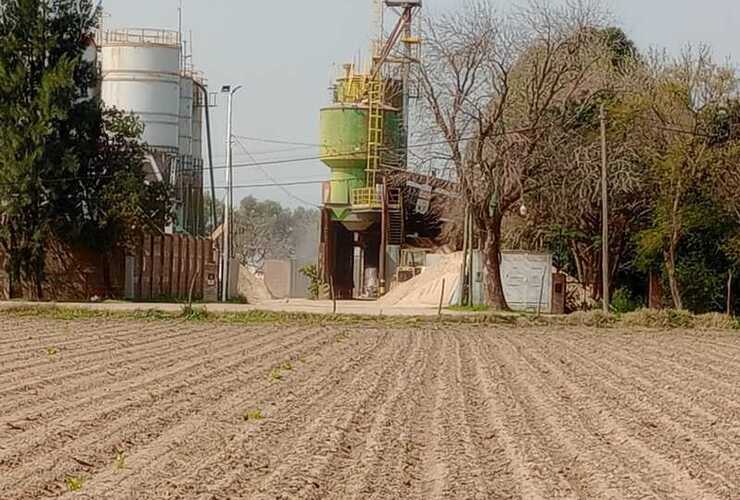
(376, 27)
(179, 31)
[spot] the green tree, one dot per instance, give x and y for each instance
(681, 100)
(45, 83)
(69, 170)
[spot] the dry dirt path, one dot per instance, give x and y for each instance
(155, 410)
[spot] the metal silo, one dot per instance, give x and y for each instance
(185, 143)
(141, 74)
(198, 111)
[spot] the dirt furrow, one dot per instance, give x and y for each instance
(110, 365)
(120, 390)
(597, 467)
(380, 458)
(45, 362)
(695, 470)
(722, 383)
(139, 416)
(431, 470)
(327, 435)
(699, 407)
(254, 451)
(506, 418)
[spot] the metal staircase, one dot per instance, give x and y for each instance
(396, 234)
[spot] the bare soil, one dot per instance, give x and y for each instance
(211, 411)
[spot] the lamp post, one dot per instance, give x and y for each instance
(226, 266)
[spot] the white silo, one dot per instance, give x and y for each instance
(199, 101)
(141, 74)
(185, 143)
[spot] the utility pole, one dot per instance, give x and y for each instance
(226, 251)
(604, 215)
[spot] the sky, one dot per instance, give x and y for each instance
(284, 52)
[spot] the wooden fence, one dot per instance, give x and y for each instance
(170, 267)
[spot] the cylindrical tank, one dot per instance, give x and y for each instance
(344, 138)
(186, 115)
(141, 74)
(198, 111)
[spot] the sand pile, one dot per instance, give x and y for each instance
(251, 287)
(425, 289)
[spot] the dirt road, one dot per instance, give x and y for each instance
(210, 411)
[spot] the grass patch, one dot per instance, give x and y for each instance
(476, 308)
(74, 483)
(253, 416)
(194, 313)
(120, 461)
(662, 319)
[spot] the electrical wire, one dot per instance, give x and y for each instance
(264, 171)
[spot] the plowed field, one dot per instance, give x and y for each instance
(119, 409)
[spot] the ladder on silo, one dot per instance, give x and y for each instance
(375, 131)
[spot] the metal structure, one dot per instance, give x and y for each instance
(364, 136)
(143, 73)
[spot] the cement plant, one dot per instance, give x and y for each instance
(495, 254)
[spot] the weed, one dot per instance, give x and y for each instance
(51, 351)
(120, 461)
(254, 415)
(341, 337)
(194, 314)
(287, 366)
(74, 483)
(276, 374)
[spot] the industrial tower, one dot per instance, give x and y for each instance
(364, 134)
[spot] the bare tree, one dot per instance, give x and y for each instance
(496, 86)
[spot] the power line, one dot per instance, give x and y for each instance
(277, 141)
(275, 184)
(264, 171)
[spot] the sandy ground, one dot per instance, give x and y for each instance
(157, 410)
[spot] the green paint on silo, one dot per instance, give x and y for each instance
(344, 134)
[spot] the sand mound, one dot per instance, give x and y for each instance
(425, 289)
(252, 287)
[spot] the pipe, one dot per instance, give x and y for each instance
(214, 219)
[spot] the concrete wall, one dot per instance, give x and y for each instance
(284, 280)
(278, 278)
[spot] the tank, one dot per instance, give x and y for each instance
(198, 112)
(344, 137)
(141, 74)
(186, 115)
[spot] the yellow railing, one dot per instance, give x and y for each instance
(368, 198)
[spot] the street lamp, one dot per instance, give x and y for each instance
(226, 266)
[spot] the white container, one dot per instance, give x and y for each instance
(186, 116)
(141, 74)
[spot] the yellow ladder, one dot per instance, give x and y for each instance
(376, 89)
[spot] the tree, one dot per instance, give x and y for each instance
(680, 99)
(111, 201)
(45, 82)
(495, 87)
(264, 229)
(69, 170)
(565, 213)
